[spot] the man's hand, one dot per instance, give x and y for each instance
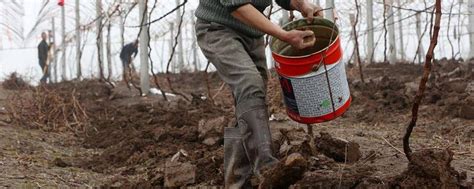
(300, 39)
(307, 9)
(249, 15)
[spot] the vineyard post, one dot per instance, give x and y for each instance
(162, 62)
(370, 30)
(99, 38)
(78, 41)
(171, 42)
(391, 32)
(400, 31)
(353, 36)
(108, 49)
(196, 61)
(122, 25)
(459, 28)
(385, 31)
(420, 36)
(471, 28)
(144, 40)
(63, 34)
(180, 53)
(355, 20)
(55, 59)
(449, 27)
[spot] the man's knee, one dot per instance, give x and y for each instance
(251, 86)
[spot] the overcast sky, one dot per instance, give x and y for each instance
(24, 59)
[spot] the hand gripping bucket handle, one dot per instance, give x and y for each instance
(327, 48)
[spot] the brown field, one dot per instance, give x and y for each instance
(88, 134)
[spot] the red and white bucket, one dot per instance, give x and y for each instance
(313, 81)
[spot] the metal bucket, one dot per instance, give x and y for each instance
(327, 49)
(313, 81)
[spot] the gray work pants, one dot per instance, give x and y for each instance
(240, 60)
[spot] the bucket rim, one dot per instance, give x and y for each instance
(336, 40)
(311, 73)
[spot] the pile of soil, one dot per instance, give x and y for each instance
(453, 89)
(449, 92)
(431, 168)
(141, 137)
(15, 82)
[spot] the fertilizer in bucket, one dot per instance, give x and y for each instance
(313, 80)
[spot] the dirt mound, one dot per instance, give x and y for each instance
(453, 90)
(430, 168)
(402, 70)
(15, 82)
(86, 90)
(383, 94)
(392, 88)
(145, 136)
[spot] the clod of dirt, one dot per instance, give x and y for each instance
(338, 149)
(279, 117)
(60, 163)
(15, 82)
(285, 173)
(211, 130)
(466, 111)
(430, 168)
(287, 142)
(211, 141)
(320, 162)
(179, 174)
(455, 86)
(411, 88)
(469, 133)
(211, 127)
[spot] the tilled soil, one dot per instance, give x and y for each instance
(129, 140)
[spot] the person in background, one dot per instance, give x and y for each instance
(126, 54)
(43, 49)
(230, 34)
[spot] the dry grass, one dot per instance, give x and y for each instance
(15, 82)
(48, 109)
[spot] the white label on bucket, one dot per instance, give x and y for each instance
(312, 93)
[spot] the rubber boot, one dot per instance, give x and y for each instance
(237, 168)
(253, 123)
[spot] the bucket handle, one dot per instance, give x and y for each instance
(326, 70)
(316, 67)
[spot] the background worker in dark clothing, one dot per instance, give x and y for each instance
(126, 57)
(43, 49)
